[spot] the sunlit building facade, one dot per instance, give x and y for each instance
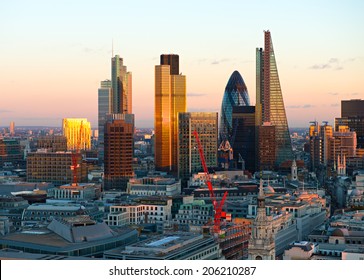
(206, 125)
(121, 81)
(170, 99)
(269, 99)
(78, 133)
(236, 94)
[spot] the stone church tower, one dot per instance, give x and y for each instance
(261, 243)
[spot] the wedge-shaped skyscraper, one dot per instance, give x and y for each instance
(269, 100)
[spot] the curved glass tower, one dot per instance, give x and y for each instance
(236, 94)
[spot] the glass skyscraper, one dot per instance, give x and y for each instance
(170, 99)
(104, 108)
(236, 94)
(121, 87)
(269, 100)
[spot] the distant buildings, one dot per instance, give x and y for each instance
(10, 152)
(78, 133)
(170, 99)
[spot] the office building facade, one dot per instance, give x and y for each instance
(78, 133)
(244, 144)
(170, 99)
(206, 125)
(104, 108)
(121, 81)
(119, 130)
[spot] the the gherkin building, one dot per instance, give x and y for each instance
(236, 94)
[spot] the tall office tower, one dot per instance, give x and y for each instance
(53, 143)
(78, 133)
(236, 94)
(205, 124)
(121, 81)
(269, 99)
(244, 144)
(266, 151)
(170, 99)
(118, 158)
(352, 115)
(104, 108)
(261, 244)
(173, 61)
(12, 128)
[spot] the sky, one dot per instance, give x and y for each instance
(53, 54)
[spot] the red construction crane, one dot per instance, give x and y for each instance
(75, 154)
(217, 204)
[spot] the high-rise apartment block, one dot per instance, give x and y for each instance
(121, 87)
(206, 125)
(269, 100)
(170, 99)
(119, 130)
(78, 133)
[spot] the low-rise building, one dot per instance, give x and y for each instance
(150, 186)
(173, 246)
(69, 236)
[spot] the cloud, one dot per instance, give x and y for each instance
(333, 60)
(332, 63)
(308, 106)
(333, 93)
(305, 106)
(320, 66)
(219, 61)
(355, 93)
(4, 111)
(194, 94)
(335, 105)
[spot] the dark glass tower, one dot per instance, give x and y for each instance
(236, 94)
(269, 100)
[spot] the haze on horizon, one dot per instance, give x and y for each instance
(54, 54)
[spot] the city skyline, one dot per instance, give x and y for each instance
(54, 55)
